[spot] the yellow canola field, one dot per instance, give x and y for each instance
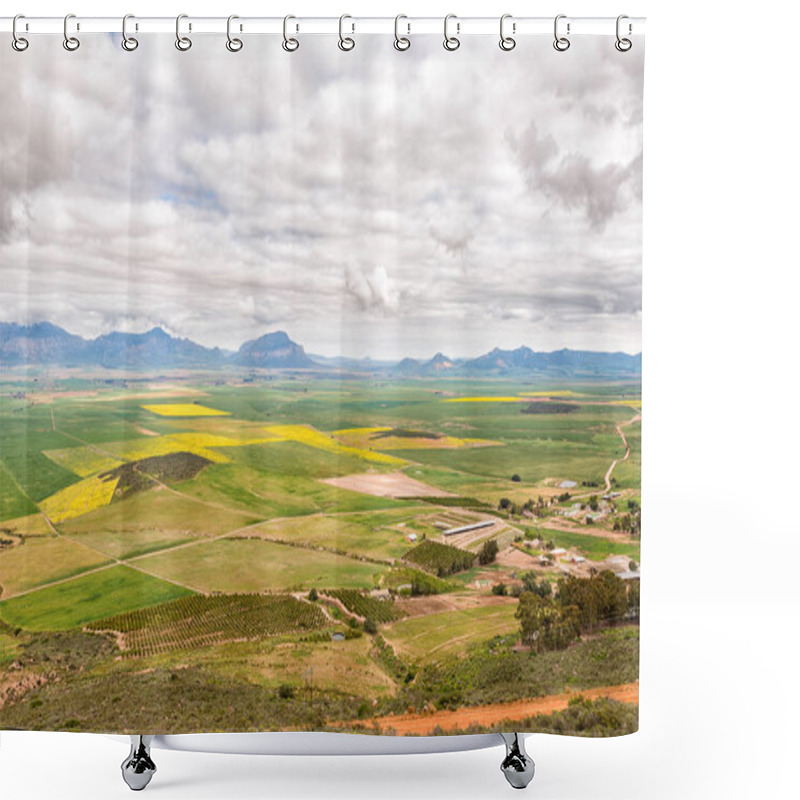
(78, 499)
(554, 393)
(307, 435)
(362, 438)
(358, 431)
(484, 400)
(91, 459)
(637, 404)
(84, 461)
(185, 410)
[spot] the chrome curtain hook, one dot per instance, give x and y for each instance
(181, 42)
(128, 42)
(401, 42)
(289, 44)
(234, 45)
(18, 42)
(451, 42)
(561, 43)
(345, 42)
(623, 45)
(70, 42)
(506, 42)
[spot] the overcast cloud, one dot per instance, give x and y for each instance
(368, 203)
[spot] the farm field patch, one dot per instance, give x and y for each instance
(30, 525)
(184, 410)
(595, 548)
(255, 565)
(80, 498)
(330, 665)
(88, 598)
(370, 534)
(144, 521)
(200, 621)
(13, 501)
(386, 484)
(42, 560)
(314, 438)
(435, 636)
(404, 439)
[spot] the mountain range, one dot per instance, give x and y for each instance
(44, 343)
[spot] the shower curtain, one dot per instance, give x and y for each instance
(320, 397)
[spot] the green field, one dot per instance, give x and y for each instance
(85, 599)
(215, 519)
(43, 560)
(433, 637)
(370, 534)
(595, 548)
(254, 565)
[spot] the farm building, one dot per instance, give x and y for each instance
(629, 576)
(487, 523)
(557, 552)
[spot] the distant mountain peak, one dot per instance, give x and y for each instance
(274, 349)
(45, 343)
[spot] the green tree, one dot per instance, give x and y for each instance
(544, 625)
(488, 552)
(532, 583)
(370, 626)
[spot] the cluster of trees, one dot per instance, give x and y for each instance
(581, 605)
(632, 521)
(488, 553)
(538, 507)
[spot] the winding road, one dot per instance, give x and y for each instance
(616, 461)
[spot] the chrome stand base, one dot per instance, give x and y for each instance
(517, 766)
(138, 768)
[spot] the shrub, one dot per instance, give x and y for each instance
(488, 552)
(370, 626)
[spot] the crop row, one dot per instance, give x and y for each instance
(440, 559)
(364, 605)
(200, 621)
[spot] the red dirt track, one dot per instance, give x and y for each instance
(423, 724)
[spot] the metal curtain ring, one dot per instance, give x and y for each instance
(506, 42)
(18, 42)
(401, 42)
(623, 45)
(561, 43)
(345, 42)
(70, 42)
(450, 42)
(289, 44)
(183, 43)
(128, 42)
(233, 44)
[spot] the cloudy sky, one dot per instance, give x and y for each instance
(368, 203)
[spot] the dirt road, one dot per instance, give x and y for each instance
(423, 724)
(614, 463)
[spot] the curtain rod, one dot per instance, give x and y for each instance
(461, 26)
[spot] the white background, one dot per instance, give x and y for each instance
(721, 606)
